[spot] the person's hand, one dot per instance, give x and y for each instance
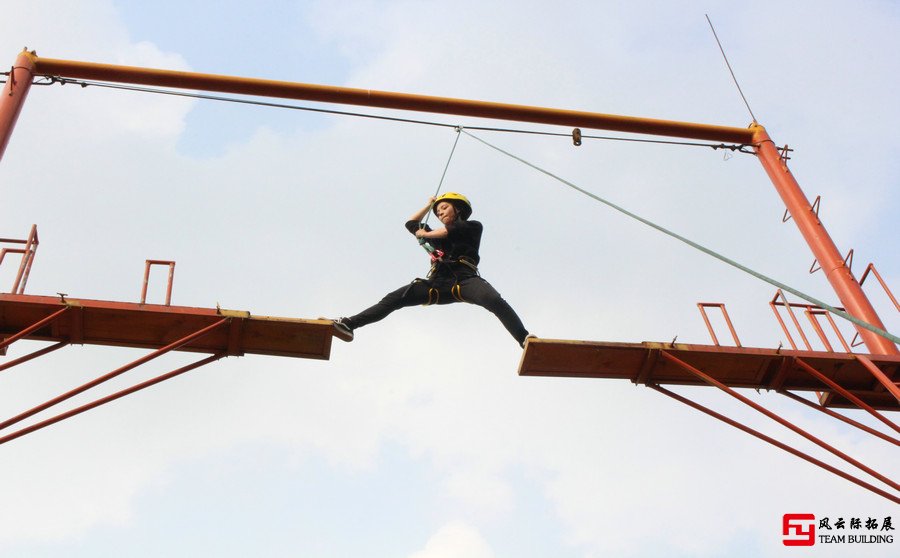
(421, 233)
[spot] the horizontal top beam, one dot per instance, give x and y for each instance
(385, 99)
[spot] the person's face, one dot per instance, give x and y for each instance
(446, 213)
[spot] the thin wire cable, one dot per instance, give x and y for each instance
(447, 166)
(727, 63)
(697, 246)
(85, 83)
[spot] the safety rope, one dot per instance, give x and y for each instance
(444, 174)
(434, 253)
(697, 246)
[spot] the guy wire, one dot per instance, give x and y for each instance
(727, 63)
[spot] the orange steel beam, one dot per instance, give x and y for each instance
(13, 97)
(385, 99)
(830, 259)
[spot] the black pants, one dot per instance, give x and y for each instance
(473, 289)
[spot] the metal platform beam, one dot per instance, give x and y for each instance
(742, 367)
(151, 326)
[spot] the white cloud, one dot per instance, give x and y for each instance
(453, 540)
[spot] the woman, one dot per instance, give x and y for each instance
(454, 272)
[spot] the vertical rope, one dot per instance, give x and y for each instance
(441, 182)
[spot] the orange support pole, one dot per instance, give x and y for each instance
(848, 290)
(13, 97)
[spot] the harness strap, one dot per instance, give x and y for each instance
(434, 296)
(456, 291)
(461, 260)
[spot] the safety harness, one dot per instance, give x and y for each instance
(434, 293)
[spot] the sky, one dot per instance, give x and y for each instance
(418, 439)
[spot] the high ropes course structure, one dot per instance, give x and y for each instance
(838, 378)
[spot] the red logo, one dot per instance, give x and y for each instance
(799, 529)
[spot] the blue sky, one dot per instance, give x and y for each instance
(418, 439)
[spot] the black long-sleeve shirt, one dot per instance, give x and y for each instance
(462, 241)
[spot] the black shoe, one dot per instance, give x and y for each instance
(343, 327)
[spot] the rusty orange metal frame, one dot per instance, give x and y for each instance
(871, 268)
(773, 304)
(811, 314)
(776, 443)
(741, 367)
(811, 311)
(703, 306)
(849, 376)
(28, 65)
(35, 354)
(833, 265)
(117, 372)
(782, 421)
(147, 279)
(845, 393)
(844, 419)
(14, 93)
(101, 401)
(150, 326)
(385, 99)
(28, 254)
(161, 328)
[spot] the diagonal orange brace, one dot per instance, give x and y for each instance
(839, 389)
(146, 358)
(35, 354)
(108, 398)
(834, 414)
(776, 443)
(712, 381)
(879, 375)
(32, 328)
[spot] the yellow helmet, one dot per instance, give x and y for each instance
(459, 201)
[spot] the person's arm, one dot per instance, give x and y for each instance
(418, 215)
(437, 233)
(424, 232)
